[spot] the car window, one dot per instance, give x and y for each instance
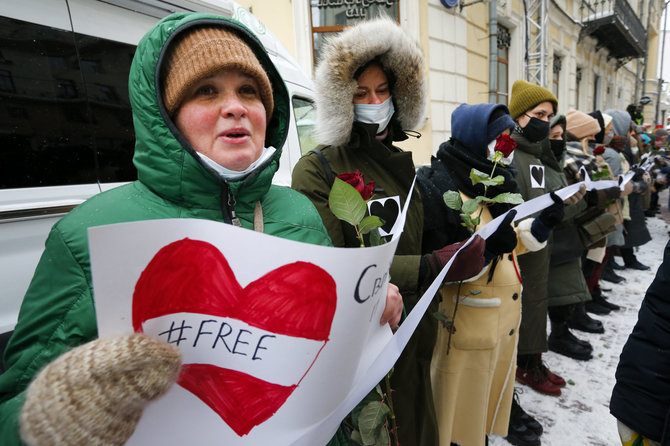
(62, 122)
(305, 117)
(105, 65)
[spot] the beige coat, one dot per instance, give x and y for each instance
(473, 385)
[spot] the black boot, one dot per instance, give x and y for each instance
(518, 412)
(609, 275)
(518, 432)
(631, 261)
(580, 320)
(615, 266)
(565, 343)
(598, 297)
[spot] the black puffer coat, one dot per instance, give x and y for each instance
(641, 395)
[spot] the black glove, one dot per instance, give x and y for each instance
(548, 219)
(600, 197)
(503, 240)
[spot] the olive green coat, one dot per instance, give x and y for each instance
(534, 266)
(393, 173)
(566, 284)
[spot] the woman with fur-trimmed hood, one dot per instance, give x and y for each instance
(370, 86)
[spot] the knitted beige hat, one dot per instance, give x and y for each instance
(526, 96)
(203, 52)
(581, 125)
(94, 394)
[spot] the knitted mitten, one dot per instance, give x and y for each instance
(95, 393)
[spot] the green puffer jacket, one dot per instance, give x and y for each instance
(58, 310)
(534, 266)
(392, 170)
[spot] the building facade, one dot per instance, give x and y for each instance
(593, 54)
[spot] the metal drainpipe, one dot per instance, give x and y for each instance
(660, 76)
(493, 51)
(646, 54)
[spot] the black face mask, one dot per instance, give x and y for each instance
(557, 146)
(536, 130)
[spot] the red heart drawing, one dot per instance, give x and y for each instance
(191, 276)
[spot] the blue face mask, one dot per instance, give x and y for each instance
(375, 113)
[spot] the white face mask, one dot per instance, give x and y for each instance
(375, 113)
(232, 175)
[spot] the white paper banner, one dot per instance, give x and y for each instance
(344, 365)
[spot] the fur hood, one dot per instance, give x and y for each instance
(353, 48)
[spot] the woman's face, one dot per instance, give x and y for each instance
(556, 132)
(543, 111)
(223, 118)
(373, 86)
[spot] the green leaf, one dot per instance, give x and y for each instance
(369, 223)
(477, 176)
(346, 203)
(383, 437)
(467, 222)
(482, 199)
(475, 222)
(495, 181)
(453, 200)
(470, 206)
(440, 316)
(508, 197)
(375, 238)
(372, 416)
(497, 156)
(374, 396)
(356, 436)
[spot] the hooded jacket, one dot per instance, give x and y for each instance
(58, 309)
(481, 362)
(351, 146)
(636, 233)
(567, 284)
(534, 265)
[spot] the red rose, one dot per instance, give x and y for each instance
(599, 150)
(357, 180)
(505, 144)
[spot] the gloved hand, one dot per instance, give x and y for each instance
(600, 197)
(548, 219)
(503, 240)
(95, 393)
(468, 263)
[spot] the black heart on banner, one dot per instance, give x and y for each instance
(388, 212)
(537, 173)
(620, 180)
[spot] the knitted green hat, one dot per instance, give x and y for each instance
(526, 96)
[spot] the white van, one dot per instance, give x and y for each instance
(66, 130)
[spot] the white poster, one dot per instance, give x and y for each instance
(274, 334)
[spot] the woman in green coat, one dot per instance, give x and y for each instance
(209, 132)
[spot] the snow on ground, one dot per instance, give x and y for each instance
(580, 415)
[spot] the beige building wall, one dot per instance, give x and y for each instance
(456, 48)
(448, 70)
(277, 16)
